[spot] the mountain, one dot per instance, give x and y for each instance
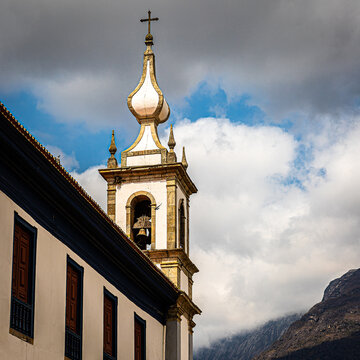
(329, 330)
(245, 345)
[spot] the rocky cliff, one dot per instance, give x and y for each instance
(329, 330)
(245, 345)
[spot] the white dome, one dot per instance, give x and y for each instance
(147, 100)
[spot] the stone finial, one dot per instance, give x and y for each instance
(171, 143)
(183, 160)
(112, 162)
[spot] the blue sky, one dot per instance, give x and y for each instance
(90, 145)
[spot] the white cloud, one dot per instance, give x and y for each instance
(93, 183)
(86, 98)
(264, 245)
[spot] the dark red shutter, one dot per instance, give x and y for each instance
(138, 341)
(21, 260)
(108, 325)
(72, 284)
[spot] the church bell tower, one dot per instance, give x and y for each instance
(148, 196)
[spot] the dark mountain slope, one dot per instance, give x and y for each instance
(245, 345)
(329, 330)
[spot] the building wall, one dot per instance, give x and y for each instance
(141, 160)
(158, 190)
(184, 282)
(50, 297)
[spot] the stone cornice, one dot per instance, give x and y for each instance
(150, 173)
(171, 254)
(184, 307)
(187, 306)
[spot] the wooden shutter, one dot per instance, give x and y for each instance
(72, 298)
(138, 341)
(21, 263)
(108, 325)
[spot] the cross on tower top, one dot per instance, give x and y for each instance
(149, 19)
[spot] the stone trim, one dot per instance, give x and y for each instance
(162, 255)
(111, 201)
(172, 270)
(191, 325)
(187, 307)
(152, 173)
(143, 152)
(171, 213)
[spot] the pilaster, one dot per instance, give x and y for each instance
(171, 213)
(173, 334)
(111, 193)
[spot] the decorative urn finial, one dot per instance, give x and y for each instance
(183, 160)
(112, 162)
(171, 143)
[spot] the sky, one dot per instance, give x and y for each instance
(264, 95)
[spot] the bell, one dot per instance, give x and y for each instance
(142, 233)
(141, 239)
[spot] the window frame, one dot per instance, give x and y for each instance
(18, 220)
(80, 270)
(114, 300)
(142, 323)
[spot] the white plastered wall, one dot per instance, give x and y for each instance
(50, 295)
(147, 142)
(184, 282)
(139, 160)
(158, 190)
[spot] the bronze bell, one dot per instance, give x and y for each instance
(142, 233)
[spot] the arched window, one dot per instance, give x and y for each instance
(141, 221)
(182, 225)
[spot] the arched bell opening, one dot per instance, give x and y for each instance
(182, 222)
(140, 223)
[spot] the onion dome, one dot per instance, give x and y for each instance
(147, 101)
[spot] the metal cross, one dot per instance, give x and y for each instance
(149, 19)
